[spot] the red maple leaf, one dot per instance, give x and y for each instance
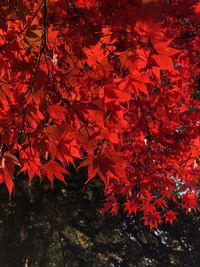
(130, 206)
(53, 169)
(7, 164)
(170, 216)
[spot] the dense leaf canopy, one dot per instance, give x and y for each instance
(112, 85)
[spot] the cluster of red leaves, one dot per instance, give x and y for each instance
(114, 84)
(86, 3)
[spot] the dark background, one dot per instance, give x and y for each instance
(61, 227)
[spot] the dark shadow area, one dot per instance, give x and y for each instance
(61, 227)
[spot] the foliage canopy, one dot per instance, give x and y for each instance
(112, 85)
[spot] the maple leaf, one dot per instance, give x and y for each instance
(32, 166)
(57, 112)
(190, 200)
(170, 216)
(160, 203)
(55, 132)
(108, 166)
(164, 53)
(114, 207)
(130, 206)
(96, 55)
(149, 29)
(52, 35)
(86, 3)
(164, 62)
(152, 218)
(7, 163)
(53, 169)
(67, 150)
(5, 177)
(163, 48)
(197, 8)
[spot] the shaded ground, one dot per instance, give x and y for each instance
(42, 227)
